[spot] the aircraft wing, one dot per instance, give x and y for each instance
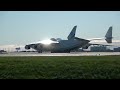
(108, 37)
(99, 44)
(89, 44)
(92, 39)
(40, 43)
(45, 42)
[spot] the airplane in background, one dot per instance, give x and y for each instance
(65, 46)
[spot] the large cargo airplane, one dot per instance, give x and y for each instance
(65, 46)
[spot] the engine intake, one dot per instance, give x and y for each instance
(27, 47)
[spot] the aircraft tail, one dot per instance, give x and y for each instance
(108, 36)
(72, 33)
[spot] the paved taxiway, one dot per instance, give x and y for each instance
(60, 54)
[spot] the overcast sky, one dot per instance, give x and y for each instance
(23, 27)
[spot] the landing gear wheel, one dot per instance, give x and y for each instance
(40, 51)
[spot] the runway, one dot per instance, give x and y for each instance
(60, 54)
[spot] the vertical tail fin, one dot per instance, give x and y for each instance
(72, 33)
(108, 36)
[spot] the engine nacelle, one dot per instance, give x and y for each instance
(27, 47)
(34, 46)
(59, 39)
(53, 39)
(37, 46)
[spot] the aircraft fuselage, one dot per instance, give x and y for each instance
(62, 46)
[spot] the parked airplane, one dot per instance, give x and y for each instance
(65, 46)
